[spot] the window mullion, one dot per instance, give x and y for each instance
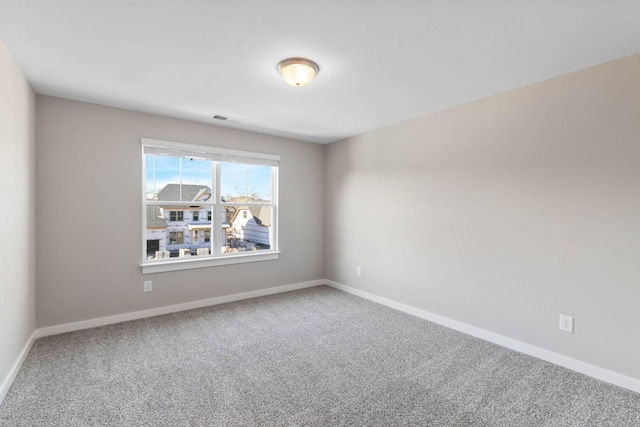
(144, 205)
(216, 214)
(180, 187)
(273, 237)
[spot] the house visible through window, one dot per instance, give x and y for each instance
(223, 183)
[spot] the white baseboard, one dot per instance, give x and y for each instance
(103, 321)
(6, 384)
(540, 353)
(531, 350)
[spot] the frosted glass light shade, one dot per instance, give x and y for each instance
(298, 72)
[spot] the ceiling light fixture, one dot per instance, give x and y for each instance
(298, 72)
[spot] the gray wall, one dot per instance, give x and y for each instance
(89, 213)
(17, 216)
(504, 213)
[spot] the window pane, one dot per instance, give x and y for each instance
(160, 171)
(242, 182)
(177, 179)
(174, 233)
(156, 234)
(196, 180)
(247, 228)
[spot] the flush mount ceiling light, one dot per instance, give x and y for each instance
(298, 72)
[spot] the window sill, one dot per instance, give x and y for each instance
(206, 261)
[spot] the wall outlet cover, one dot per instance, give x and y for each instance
(566, 323)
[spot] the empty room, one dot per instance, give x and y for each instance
(357, 213)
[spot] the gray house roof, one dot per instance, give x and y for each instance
(262, 215)
(155, 218)
(190, 193)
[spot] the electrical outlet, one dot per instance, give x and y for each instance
(358, 271)
(566, 323)
(147, 286)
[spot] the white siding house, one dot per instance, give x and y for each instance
(173, 228)
(258, 228)
(183, 230)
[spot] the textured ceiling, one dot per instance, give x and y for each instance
(381, 62)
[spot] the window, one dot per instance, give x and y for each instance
(236, 189)
(176, 237)
(176, 216)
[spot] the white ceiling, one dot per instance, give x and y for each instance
(381, 62)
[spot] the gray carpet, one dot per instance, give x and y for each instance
(316, 357)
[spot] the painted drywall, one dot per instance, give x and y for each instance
(504, 213)
(89, 213)
(17, 216)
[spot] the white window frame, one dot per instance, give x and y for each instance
(216, 155)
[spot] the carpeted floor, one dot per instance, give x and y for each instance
(314, 357)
